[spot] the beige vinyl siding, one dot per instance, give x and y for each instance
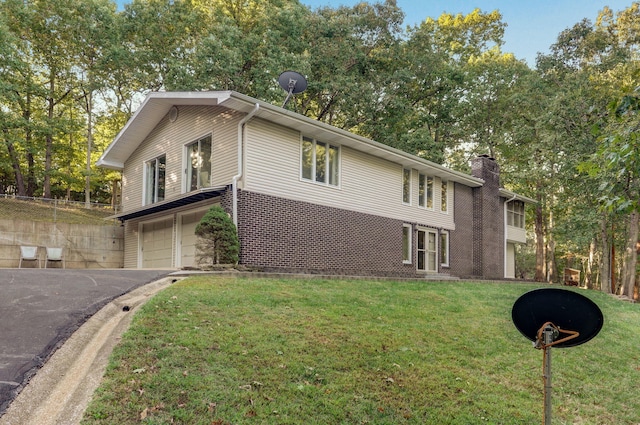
(516, 234)
(224, 161)
(367, 184)
(170, 138)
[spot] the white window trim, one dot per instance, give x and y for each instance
(185, 160)
(145, 176)
(426, 198)
(410, 185)
(313, 163)
(447, 198)
(448, 246)
(410, 242)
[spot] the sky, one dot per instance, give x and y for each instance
(532, 25)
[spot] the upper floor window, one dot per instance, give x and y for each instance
(198, 171)
(320, 162)
(444, 205)
(154, 175)
(406, 186)
(515, 214)
(425, 189)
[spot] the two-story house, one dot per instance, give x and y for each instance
(305, 196)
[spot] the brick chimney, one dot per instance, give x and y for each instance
(488, 220)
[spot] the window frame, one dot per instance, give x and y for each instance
(515, 218)
(188, 167)
(332, 167)
(444, 196)
(154, 163)
(407, 243)
(406, 185)
(443, 249)
(425, 191)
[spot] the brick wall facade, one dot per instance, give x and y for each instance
(461, 247)
(488, 220)
(278, 234)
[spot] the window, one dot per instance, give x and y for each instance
(425, 189)
(320, 162)
(444, 207)
(406, 243)
(427, 253)
(154, 172)
(198, 172)
(444, 249)
(515, 214)
(406, 186)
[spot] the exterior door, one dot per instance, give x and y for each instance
(427, 251)
(156, 239)
(510, 271)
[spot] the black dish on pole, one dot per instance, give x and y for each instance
(293, 83)
(567, 310)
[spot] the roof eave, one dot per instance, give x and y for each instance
(516, 197)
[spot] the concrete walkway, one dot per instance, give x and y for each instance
(39, 312)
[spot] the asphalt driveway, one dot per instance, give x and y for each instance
(40, 309)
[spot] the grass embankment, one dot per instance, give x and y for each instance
(225, 351)
(12, 209)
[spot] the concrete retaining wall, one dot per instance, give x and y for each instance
(84, 246)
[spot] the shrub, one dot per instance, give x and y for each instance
(217, 238)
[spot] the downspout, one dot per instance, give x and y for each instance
(234, 180)
(504, 248)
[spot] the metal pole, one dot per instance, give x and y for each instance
(548, 339)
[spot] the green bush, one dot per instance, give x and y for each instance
(218, 238)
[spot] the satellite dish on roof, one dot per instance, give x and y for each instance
(555, 318)
(293, 83)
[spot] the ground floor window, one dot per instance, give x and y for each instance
(427, 250)
(444, 249)
(406, 243)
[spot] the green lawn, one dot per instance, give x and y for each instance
(265, 351)
(48, 212)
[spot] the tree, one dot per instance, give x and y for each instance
(617, 166)
(218, 243)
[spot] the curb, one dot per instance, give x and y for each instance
(61, 390)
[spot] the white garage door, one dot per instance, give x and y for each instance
(156, 243)
(188, 237)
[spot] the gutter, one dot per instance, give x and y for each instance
(234, 180)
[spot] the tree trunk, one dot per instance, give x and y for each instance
(48, 151)
(15, 164)
(87, 183)
(552, 267)
(628, 278)
(539, 237)
(605, 267)
(589, 282)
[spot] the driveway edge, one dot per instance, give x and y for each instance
(60, 391)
